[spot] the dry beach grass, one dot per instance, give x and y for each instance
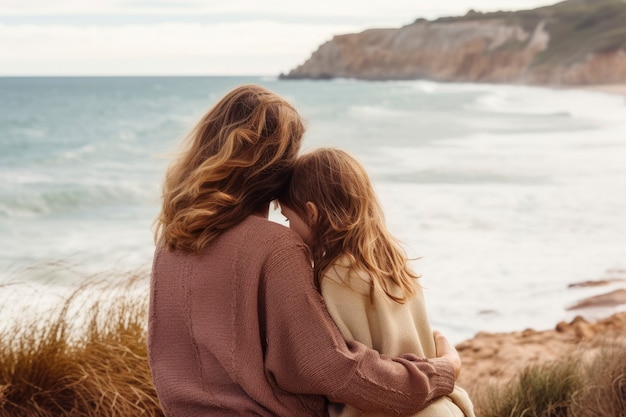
(61, 365)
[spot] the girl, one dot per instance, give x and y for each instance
(363, 274)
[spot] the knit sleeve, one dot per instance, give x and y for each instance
(306, 354)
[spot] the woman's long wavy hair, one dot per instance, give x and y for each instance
(350, 221)
(233, 163)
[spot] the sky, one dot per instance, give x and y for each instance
(196, 37)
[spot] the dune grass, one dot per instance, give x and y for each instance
(88, 358)
(578, 385)
(604, 393)
(538, 391)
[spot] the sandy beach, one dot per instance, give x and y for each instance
(608, 88)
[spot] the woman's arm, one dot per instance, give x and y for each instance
(306, 353)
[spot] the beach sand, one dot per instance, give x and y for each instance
(607, 88)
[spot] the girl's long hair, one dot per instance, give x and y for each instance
(350, 221)
(234, 162)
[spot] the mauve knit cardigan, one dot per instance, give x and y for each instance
(241, 330)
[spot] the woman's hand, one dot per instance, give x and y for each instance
(447, 351)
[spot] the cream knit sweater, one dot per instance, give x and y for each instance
(387, 326)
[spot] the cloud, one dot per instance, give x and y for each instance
(397, 11)
(257, 47)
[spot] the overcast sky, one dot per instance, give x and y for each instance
(196, 37)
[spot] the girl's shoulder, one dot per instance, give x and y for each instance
(343, 274)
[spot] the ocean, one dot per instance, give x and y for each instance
(504, 194)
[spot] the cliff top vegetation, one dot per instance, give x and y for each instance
(577, 28)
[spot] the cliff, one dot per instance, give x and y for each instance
(575, 42)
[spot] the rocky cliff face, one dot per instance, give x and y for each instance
(534, 47)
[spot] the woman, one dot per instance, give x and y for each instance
(237, 326)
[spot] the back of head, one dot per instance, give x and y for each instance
(350, 221)
(339, 187)
(235, 161)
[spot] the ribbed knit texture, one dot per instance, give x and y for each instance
(240, 330)
(387, 326)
